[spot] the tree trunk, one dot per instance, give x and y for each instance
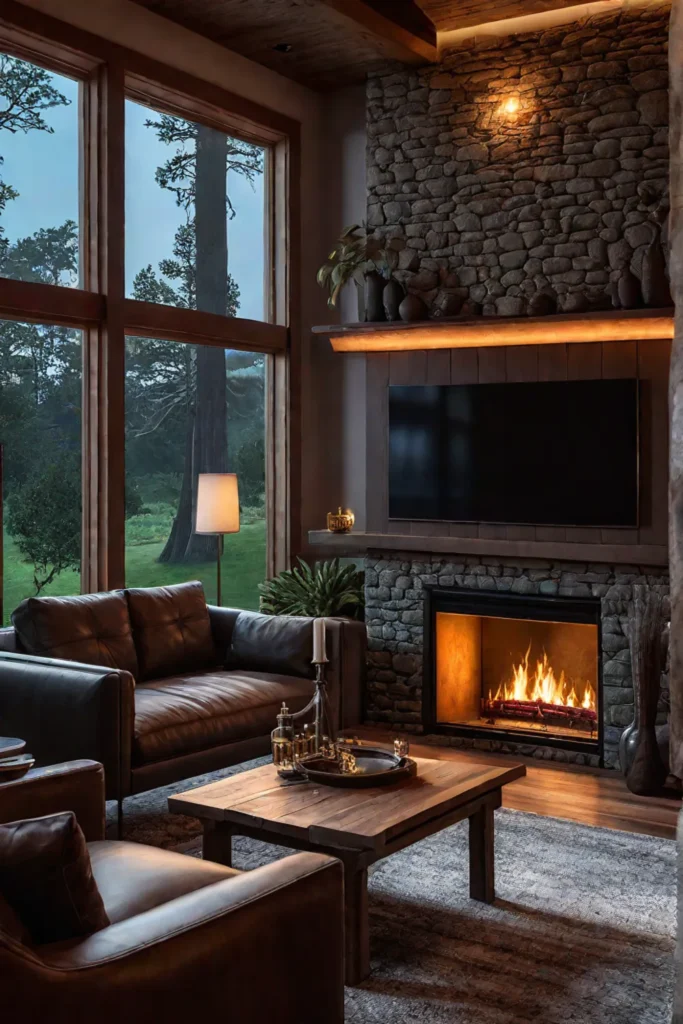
(206, 451)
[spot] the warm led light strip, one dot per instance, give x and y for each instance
(492, 333)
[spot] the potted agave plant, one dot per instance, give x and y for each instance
(328, 588)
(357, 257)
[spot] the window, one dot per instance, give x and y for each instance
(145, 241)
(192, 407)
(40, 431)
(195, 216)
(39, 174)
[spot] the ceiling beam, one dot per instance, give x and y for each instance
(402, 29)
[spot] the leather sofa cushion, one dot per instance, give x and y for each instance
(172, 630)
(183, 714)
(47, 879)
(272, 643)
(133, 878)
(91, 628)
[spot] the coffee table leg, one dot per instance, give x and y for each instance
(356, 924)
(482, 879)
(217, 843)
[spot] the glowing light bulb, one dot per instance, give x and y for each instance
(511, 106)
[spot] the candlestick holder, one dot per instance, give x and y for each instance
(317, 737)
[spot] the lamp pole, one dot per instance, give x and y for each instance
(219, 548)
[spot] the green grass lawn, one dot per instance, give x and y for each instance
(243, 568)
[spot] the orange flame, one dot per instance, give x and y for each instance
(543, 685)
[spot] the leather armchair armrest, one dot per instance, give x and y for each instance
(76, 786)
(66, 710)
(266, 945)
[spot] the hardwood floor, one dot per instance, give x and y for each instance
(590, 796)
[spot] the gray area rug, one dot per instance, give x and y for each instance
(582, 929)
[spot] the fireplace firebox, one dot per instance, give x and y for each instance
(514, 667)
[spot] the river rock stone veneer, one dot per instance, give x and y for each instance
(508, 205)
(394, 592)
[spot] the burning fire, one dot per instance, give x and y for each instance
(543, 686)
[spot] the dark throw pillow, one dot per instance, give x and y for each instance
(46, 878)
(171, 629)
(272, 643)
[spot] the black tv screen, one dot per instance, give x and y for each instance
(555, 453)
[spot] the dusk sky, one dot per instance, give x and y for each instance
(43, 168)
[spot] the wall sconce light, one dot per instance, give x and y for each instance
(511, 106)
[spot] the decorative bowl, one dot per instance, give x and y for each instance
(377, 768)
(12, 768)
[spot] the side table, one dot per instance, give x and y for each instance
(11, 747)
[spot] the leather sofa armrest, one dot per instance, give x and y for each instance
(346, 649)
(66, 710)
(266, 945)
(76, 786)
(222, 624)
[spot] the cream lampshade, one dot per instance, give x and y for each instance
(218, 506)
(218, 511)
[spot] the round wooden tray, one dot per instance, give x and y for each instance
(379, 768)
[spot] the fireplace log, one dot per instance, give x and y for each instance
(539, 711)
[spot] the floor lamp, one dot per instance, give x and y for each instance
(218, 511)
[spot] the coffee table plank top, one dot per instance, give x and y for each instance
(354, 818)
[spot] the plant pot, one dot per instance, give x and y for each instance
(374, 286)
(392, 296)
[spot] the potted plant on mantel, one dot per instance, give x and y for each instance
(357, 257)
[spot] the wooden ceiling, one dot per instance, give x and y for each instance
(335, 43)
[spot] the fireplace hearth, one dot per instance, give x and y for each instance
(513, 666)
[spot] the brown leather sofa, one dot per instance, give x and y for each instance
(157, 686)
(188, 939)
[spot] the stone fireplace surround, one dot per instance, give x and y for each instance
(394, 590)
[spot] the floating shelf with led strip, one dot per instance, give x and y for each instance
(493, 332)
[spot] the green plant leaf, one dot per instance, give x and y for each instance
(325, 589)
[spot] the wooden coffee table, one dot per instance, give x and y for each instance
(358, 826)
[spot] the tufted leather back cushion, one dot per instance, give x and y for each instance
(171, 629)
(93, 628)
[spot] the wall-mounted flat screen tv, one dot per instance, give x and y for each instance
(556, 453)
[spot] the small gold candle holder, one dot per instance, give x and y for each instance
(340, 521)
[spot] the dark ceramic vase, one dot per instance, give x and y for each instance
(655, 282)
(628, 290)
(374, 308)
(642, 762)
(412, 308)
(392, 296)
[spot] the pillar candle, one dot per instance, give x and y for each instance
(319, 651)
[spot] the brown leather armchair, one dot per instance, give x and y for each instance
(157, 686)
(188, 939)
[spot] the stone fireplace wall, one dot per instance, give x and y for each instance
(394, 613)
(548, 197)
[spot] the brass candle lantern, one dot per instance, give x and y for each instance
(341, 521)
(316, 737)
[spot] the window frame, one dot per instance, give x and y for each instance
(111, 74)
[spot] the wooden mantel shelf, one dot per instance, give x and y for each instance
(493, 332)
(358, 543)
